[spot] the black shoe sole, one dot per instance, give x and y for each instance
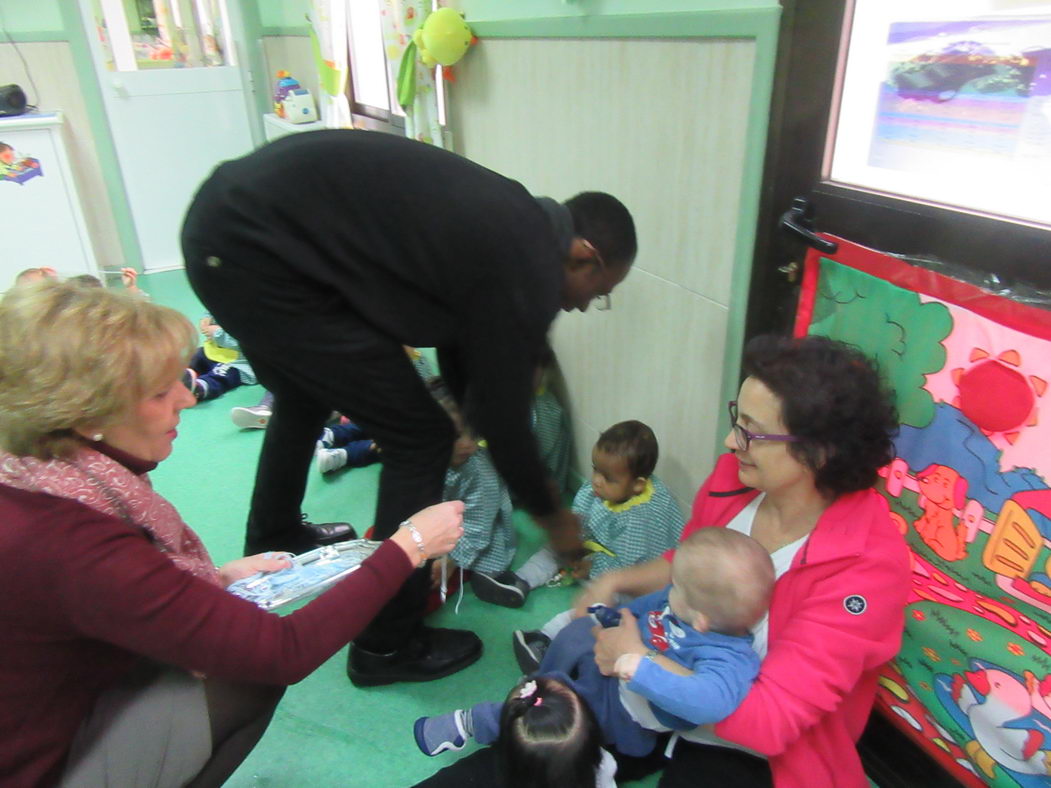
(359, 679)
(327, 540)
(489, 590)
(527, 662)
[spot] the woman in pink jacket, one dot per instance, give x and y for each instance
(811, 426)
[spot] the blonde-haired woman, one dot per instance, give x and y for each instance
(125, 661)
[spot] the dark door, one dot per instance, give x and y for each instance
(941, 85)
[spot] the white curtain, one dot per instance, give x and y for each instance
(328, 35)
(400, 18)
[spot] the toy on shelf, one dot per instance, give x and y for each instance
(286, 83)
(293, 102)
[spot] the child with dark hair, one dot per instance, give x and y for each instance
(628, 515)
(721, 582)
(545, 735)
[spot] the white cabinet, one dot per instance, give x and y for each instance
(275, 127)
(42, 218)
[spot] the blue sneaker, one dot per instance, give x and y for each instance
(439, 734)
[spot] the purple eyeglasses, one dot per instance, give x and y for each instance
(744, 438)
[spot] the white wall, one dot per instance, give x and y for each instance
(660, 123)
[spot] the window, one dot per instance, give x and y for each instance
(373, 92)
(158, 34)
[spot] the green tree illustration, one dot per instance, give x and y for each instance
(889, 324)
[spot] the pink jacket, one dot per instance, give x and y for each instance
(836, 616)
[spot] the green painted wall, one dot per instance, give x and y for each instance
(30, 16)
(479, 10)
(285, 16)
(282, 14)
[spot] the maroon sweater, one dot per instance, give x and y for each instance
(85, 596)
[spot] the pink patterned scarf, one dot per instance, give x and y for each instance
(95, 480)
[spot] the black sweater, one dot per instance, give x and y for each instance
(431, 249)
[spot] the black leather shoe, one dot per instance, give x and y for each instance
(430, 654)
(329, 533)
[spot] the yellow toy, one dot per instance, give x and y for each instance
(442, 39)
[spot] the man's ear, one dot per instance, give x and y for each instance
(579, 255)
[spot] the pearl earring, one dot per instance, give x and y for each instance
(97, 437)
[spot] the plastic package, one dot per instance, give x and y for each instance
(310, 574)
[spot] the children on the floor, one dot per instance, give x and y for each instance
(548, 737)
(720, 588)
(345, 445)
(256, 417)
(488, 542)
(550, 423)
(627, 513)
(218, 363)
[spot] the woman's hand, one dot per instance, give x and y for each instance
(613, 642)
(439, 528)
(249, 565)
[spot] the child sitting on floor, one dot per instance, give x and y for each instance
(721, 581)
(627, 513)
(628, 517)
(345, 445)
(488, 542)
(548, 736)
(218, 363)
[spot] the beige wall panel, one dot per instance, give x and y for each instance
(293, 54)
(51, 64)
(655, 357)
(661, 124)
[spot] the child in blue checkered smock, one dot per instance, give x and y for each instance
(628, 517)
(488, 542)
(627, 513)
(550, 424)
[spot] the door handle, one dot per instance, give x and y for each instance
(120, 88)
(799, 219)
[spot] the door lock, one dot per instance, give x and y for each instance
(790, 270)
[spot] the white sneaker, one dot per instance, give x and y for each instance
(327, 438)
(254, 418)
(330, 459)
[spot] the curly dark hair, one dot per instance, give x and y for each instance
(832, 396)
(604, 221)
(635, 442)
(548, 736)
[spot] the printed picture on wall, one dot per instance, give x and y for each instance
(975, 87)
(17, 167)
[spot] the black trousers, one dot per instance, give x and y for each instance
(315, 355)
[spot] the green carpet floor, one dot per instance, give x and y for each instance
(327, 732)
